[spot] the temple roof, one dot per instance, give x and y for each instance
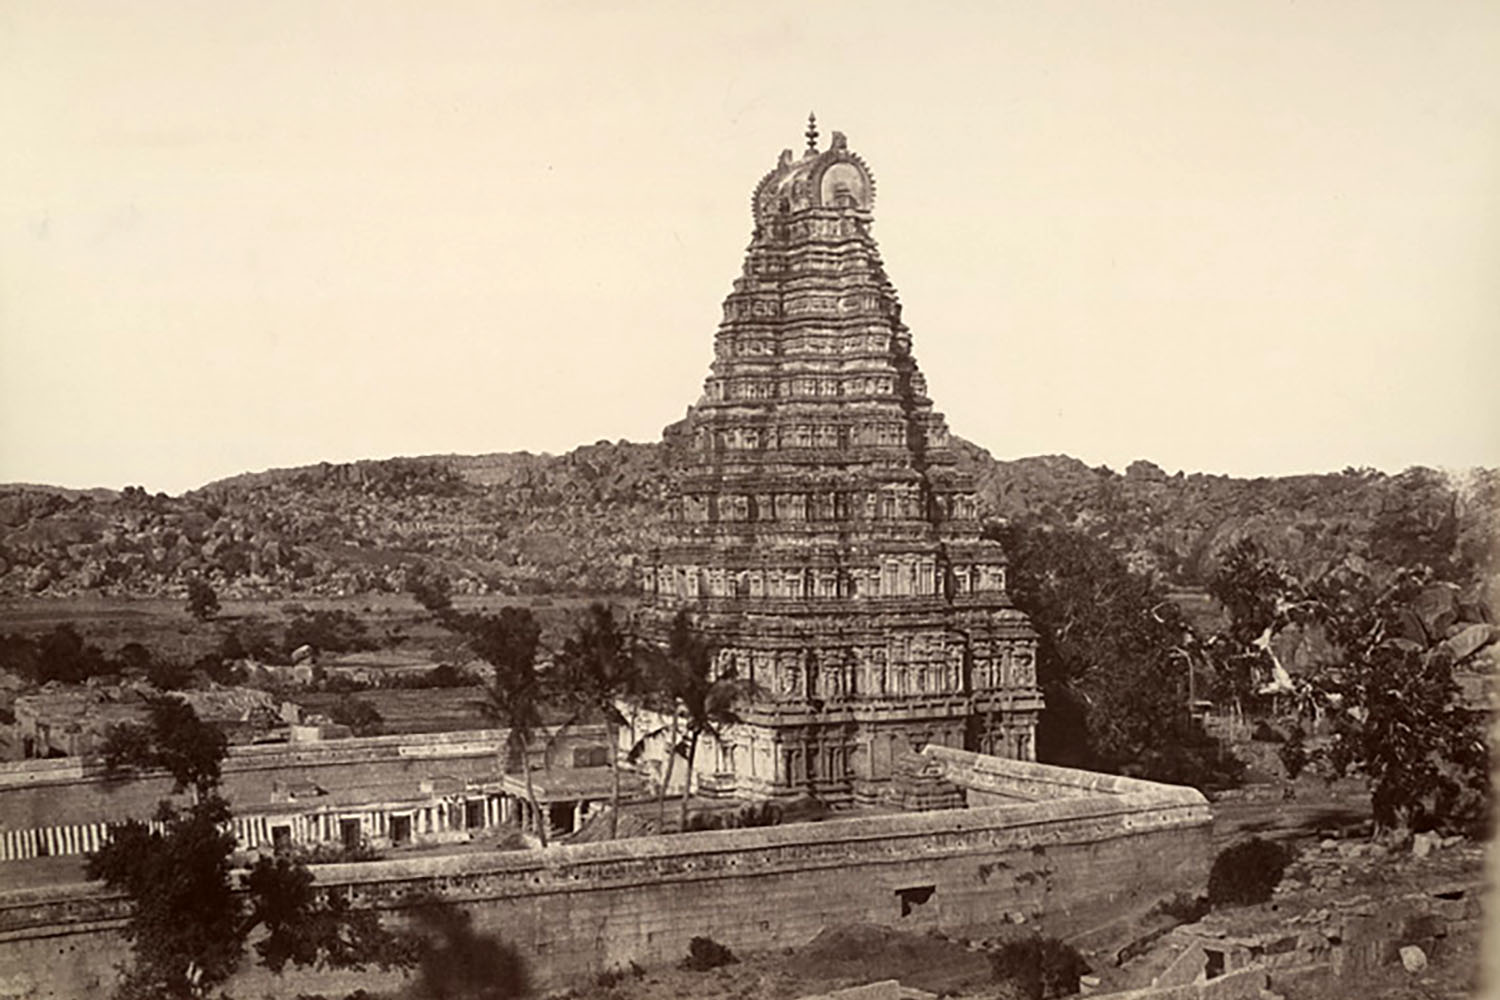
(833, 178)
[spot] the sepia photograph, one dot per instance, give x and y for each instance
(842, 501)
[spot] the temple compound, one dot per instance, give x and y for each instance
(821, 538)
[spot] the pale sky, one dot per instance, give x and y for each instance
(1254, 237)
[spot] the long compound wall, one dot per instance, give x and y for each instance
(1094, 849)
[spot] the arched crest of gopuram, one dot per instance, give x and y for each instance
(821, 536)
(831, 178)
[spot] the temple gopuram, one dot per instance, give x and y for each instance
(822, 539)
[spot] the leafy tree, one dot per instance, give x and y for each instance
(1389, 693)
(185, 918)
(188, 927)
(508, 642)
(1251, 588)
(599, 667)
(431, 590)
(1262, 597)
(363, 718)
(306, 927)
(62, 655)
(1112, 661)
(1395, 711)
(202, 602)
(174, 740)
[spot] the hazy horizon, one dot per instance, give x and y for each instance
(1235, 238)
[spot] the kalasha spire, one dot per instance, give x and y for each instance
(812, 132)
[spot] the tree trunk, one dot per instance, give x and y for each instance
(687, 779)
(666, 780)
(614, 792)
(536, 811)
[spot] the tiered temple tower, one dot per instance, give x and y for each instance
(822, 539)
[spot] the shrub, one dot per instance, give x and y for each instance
(337, 854)
(1039, 967)
(202, 602)
(169, 675)
(610, 978)
(752, 815)
(763, 814)
(334, 631)
(362, 718)
(703, 821)
(1293, 753)
(706, 953)
(1246, 872)
(1266, 733)
(1188, 909)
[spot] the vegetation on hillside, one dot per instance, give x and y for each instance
(522, 523)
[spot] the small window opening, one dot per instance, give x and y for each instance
(914, 897)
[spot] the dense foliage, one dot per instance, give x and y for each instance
(1039, 968)
(188, 926)
(1112, 662)
(522, 523)
(362, 718)
(1247, 872)
(1386, 692)
(705, 953)
(202, 600)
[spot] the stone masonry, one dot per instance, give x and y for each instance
(822, 539)
(1067, 851)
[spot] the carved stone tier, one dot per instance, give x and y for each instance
(821, 537)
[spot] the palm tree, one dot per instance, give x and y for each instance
(598, 667)
(706, 702)
(508, 641)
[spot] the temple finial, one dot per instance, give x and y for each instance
(812, 132)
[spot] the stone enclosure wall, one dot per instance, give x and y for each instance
(1095, 849)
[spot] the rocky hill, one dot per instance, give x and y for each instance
(512, 523)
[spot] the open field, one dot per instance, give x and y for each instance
(393, 620)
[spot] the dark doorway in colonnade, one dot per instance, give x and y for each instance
(400, 830)
(561, 815)
(349, 833)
